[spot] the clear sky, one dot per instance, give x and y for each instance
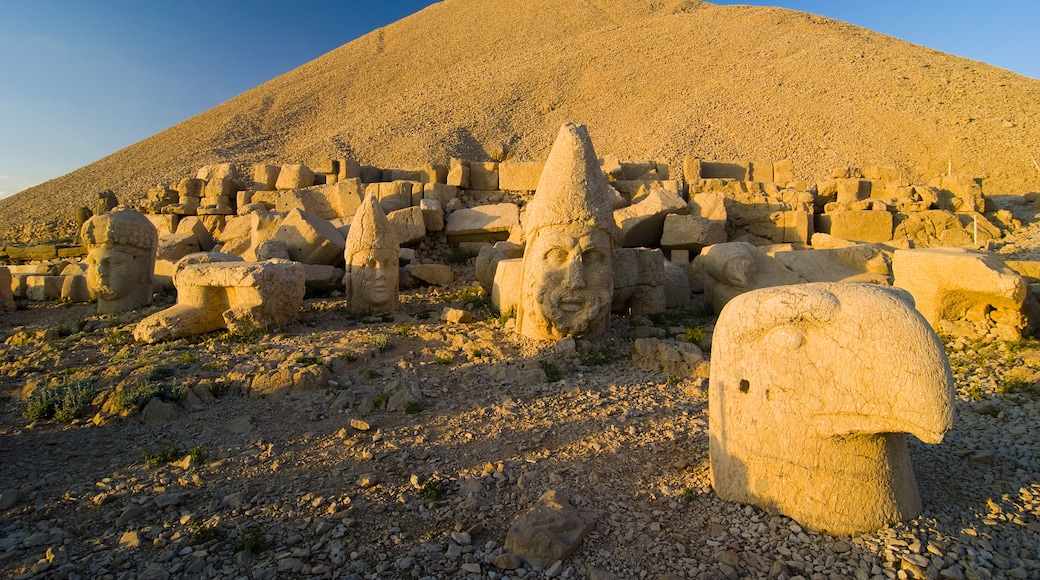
(81, 79)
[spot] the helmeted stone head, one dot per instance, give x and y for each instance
(121, 247)
(371, 256)
(568, 265)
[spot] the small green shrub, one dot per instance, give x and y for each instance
(688, 495)
(307, 361)
(975, 392)
(467, 294)
(433, 490)
(187, 359)
(695, 335)
(673, 379)
(252, 541)
(63, 402)
(200, 534)
(381, 341)
(198, 454)
(552, 373)
(403, 329)
(443, 359)
(458, 255)
(162, 457)
(119, 337)
(160, 373)
(373, 374)
(214, 365)
(381, 400)
(423, 314)
(349, 355)
(127, 400)
(249, 335)
(413, 407)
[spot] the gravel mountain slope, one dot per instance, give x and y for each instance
(651, 79)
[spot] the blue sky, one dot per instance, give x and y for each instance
(80, 79)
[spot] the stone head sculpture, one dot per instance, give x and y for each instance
(567, 274)
(371, 256)
(121, 247)
(812, 389)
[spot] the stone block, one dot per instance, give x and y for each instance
(164, 223)
(549, 532)
(238, 296)
(483, 175)
(393, 195)
(440, 192)
(783, 172)
(322, 278)
(724, 170)
(348, 169)
(670, 357)
(866, 263)
(487, 223)
(294, 176)
(641, 224)
(6, 290)
(861, 226)
(505, 288)
(797, 227)
(458, 174)
(488, 257)
(630, 189)
(409, 225)
(43, 288)
(193, 226)
(852, 190)
(811, 388)
(691, 232)
(676, 286)
(433, 215)
(18, 285)
(311, 239)
(345, 197)
(519, 175)
(761, 171)
(265, 176)
(692, 170)
(433, 274)
(954, 284)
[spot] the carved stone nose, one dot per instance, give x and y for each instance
(575, 274)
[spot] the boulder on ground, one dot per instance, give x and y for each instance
(549, 532)
(641, 224)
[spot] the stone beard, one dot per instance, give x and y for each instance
(373, 280)
(568, 281)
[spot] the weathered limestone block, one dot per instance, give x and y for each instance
(1026, 269)
(277, 383)
(121, 255)
(322, 278)
(783, 172)
(691, 232)
(440, 192)
(505, 288)
(372, 260)
(641, 224)
(486, 223)
(812, 388)
(409, 225)
(458, 173)
(393, 195)
(172, 248)
(864, 263)
(724, 170)
(294, 176)
(6, 291)
(345, 197)
(959, 193)
(639, 282)
(483, 175)
(861, 226)
(567, 282)
(265, 177)
(550, 531)
(232, 295)
(941, 228)
(630, 188)
(953, 284)
(676, 285)
(761, 171)
(692, 170)
(670, 357)
(488, 259)
(311, 239)
(519, 175)
(43, 288)
(18, 285)
(797, 226)
(348, 169)
(730, 269)
(164, 223)
(433, 274)
(195, 227)
(432, 214)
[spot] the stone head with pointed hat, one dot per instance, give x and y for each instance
(371, 256)
(121, 247)
(568, 266)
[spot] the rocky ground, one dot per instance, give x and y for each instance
(405, 447)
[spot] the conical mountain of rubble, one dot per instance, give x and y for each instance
(650, 79)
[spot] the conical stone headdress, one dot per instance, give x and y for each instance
(572, 188)
(370, 230)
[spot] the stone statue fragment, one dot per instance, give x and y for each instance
(121, 247)
(371, 257)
